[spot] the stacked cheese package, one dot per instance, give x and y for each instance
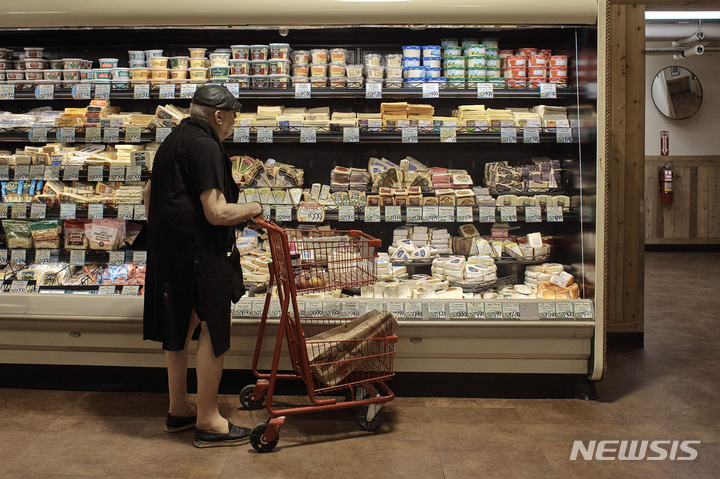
(458, 270)
(541, 174)
(386, 271)
(418, 286)
(551, 281)
(400, 114)
(343, 179)
(419, 243)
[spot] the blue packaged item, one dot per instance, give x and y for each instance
(412, 61)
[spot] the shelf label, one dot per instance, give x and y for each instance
(396, 307)
(446, 214)
(314, 309)
(448, 134)
(117, 172)
(546, 311)
(162, 133)
(37, 172)
(233, 87)
(125, 212)
(372, 214)
(133, 134)
(465, 214)
(167, 91)
(414, 214)
(563, 135)
(437, 310)
(38, 134)
(106, 290)
(410, 135)
(493, 311)
(81, 91)
(187, 90)
(564, 311)
(4, 173)
(508, 134)
(18, 211)
(533, 214)
(139, 258)
(3, 256)
(346, 213)
(242, 308)
(458, 310)
(7, 92)
(548, 90)
(42, 256)
(508, 213)
(102, 91)
(554, 214)
(475, 310)
(351, 134)
(51, 173)
(350, 309)
(431, 90)
(332, 309)
(71, 173)
(141, 91)
(96, 172)
(111, 135)
(310, 212)
(241, 134)
(134, 173)
(274, 309)
(265, 134)
(531, 135)
(77, 257)
(283, 213)
(95, 211)
(257, 308)
(486, 214)
(130, 290)
(308, 134)
(18, 257)
(38, 210)
(413, 310)
(431, 213)
(583, 310)
(393, 214)
(139, 213)
(22, 172)
(93, 134)
(45, 92)
(373, 90)
(484, 90)
(302, 91)
(67, 211)
(18, 286)
(65, 134)
(510, 311)
(117, 258)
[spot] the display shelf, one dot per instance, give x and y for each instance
(21, 211)
(59, 255)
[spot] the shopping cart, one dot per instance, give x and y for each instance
(358, 368)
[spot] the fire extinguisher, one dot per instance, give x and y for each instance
(666, 184)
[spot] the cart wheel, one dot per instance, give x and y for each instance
(366, 425)
(256, 439)
(246, 401)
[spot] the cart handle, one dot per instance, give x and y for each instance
(391, 339)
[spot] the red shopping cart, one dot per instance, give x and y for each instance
(324, 352)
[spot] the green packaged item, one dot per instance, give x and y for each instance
(46, 234)
(17, 234)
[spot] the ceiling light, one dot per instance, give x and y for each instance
(682, 15)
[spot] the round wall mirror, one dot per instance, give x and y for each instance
(677, 92)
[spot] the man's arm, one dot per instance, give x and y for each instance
(220, 213)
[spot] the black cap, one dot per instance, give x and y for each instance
(216, 96)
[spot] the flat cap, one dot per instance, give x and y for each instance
(216, 96)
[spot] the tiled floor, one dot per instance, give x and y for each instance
(667, 391)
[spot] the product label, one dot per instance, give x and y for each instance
(77, 257)
(67, 211)
(3, 256)
(346, 213)
(448, 134)
(117, 258)
(71, 173)
(475, 310)
(431, 213)
(102, 91)
(37, 172)
(413, 310)
(42, 256)
(554, 214)
(4, 173)
(265, 134)
(314, 309)
(187, 90)
(22, 172)
(393, 214)
(38, 134)
(96, 172)
(7, 92)
(95, 211)
(548, 90)
(302, 91)
(38, 210)
(117, 172)
(583, 310)
(458, 310)
(397, 308)
(139, 213)
(51, 173)
(351, 134)
(106, 290)
(125, 212)
(45, 92)
(546, 311)
(510, 311)
(308, 134)
(65, 134)
(18, 210)
(133, 134)
(241, 134)
(141, 91)
(133, 173)
(410, 135)
(414, 214)
(18, 257)
(139, 258)
(162, 133)
(167, 91)
(564, 311)
(484, 90)
(493, 311)
(437, 310)
(283, 213)
(564, 135)
(508, 134)
(130, 290)
(446, 214)
(373, 90)
(111, 134)
(372, 214)
(464, 214)
(18, 286)
(508, 214)
(533, 214)
(431, 90)
(332, 309)
(531, 135)
(93, 134)
(486, 214)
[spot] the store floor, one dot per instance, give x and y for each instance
(667, 391)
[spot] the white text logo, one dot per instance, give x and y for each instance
(634, 450)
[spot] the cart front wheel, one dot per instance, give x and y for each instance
(245, 398)
(256, 439)
(362, 419)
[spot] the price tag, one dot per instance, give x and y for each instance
(351, 134)
(133, 173)
(510, 311)
(37, 172)
(393, 214)
(18, 286)
(484, 90)
(446, 214)
(117, 258)
(65, 134)
(274, 309)
(42, 256)
(102, 91)
(283, 213)
(45, 92)
(133, 134)
(93, 134)
(448, 134)
(37, 210)
(141, 91)
(77, 257)
(554, 214)
(314, 309)
(431, 213)
(486, 214)
(413, 310)
(106, 290)
(533, 214)
(437, 310)
(311, 212)
(266, 211)
(531, 135)
(241, 134)
(397, 308)
(125, 212)
(548, 90)
(372, 214)
(308, 134)
(139, 213)
(18, 257)
(67, 211)
(130, 290)
(302, 91)
(81, 91)
(139, 258)
(4, 173)
(51, 172)
(464, 214)
(233, 87)
(95, 211)
(38, 134)
(350, 309)
(373, 90)
(3, 256)
(508, 213)
(22, 172)
(187, 90)
(117, 172)
(431, 90)
(475, 310)
(167, 91)
(242, 308)
(18, 211)
(332, 309)
(7, 92)
(414, 214)
(546, 310)
(111, 135)
(257, 308)
(458, 310)
(508, 134)
(493, 310)
(410, 135)
(161, 134)
(563, 135)
(71, 173)
(265, 134)
(564, 311)
(346, 213)
(583, 310)
(96, 172)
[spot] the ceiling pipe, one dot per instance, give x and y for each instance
(675, 31)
